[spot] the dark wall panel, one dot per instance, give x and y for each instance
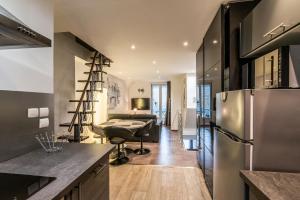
(17, 131)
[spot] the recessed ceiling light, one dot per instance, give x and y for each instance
(207, 75)
(186, 43)
(215, 41)
(154, 62)
(133, 47)
(216, 69)
(157, 71)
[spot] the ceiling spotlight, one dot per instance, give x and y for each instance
(215, 41)
(154, 62)
(186, 43)
(216, 69)
(157, 71)
(207, 75)
(133, 47)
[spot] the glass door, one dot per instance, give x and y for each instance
(159, 100)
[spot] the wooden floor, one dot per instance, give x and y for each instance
(169, 151)
(169, 172)
(154, 182)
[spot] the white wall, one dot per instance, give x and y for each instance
(133, 93)
(29, 70)
(177, 100)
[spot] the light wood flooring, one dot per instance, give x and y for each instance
(169, 151)
(169, 173)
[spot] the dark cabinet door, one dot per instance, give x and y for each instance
(200, 152)
(208, 158)
(96, 184)
(268, 19)
(72, 195)
(208, 169)
(199, 76)
(213, 78)
(212, 62)
(199, 65)
(212, 43)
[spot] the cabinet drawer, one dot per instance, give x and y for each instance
(96, 184)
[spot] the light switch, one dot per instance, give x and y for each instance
(33, 112)
(44, 112)
(44, 122)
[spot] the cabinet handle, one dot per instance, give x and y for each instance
(99, 169)
(272, 32)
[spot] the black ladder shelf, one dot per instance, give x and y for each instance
(85, 105)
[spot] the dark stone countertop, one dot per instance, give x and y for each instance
(273, 185)
(66, 166)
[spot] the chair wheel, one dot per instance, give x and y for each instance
(141, 151)
(120, 161)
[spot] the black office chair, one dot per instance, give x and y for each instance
(141, 133)
(118, 136)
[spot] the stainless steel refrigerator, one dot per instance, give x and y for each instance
(256, 130)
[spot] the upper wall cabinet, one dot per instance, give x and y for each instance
(199, 64)
(271, 24)
(212, 43)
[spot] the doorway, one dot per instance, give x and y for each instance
(159, 92)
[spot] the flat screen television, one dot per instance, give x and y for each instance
(140, 103)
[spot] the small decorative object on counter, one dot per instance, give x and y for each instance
(48, 142)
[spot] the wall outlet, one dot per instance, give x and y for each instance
(44, 112)
(33, 112)
(44, 122)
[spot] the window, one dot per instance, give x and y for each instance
(191, 91)
(159, 100)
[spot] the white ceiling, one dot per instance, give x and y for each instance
(156, 27)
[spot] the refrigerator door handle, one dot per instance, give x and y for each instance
(231, 137)
(234, 137)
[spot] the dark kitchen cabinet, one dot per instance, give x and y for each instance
(218, 67)
(96, 184)
(199, 106)
(212, 44)
(200, 152)
(73, 194)
(269, 19)
(208, 150)
(93, 185)
(199, 71)
(208, 170)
